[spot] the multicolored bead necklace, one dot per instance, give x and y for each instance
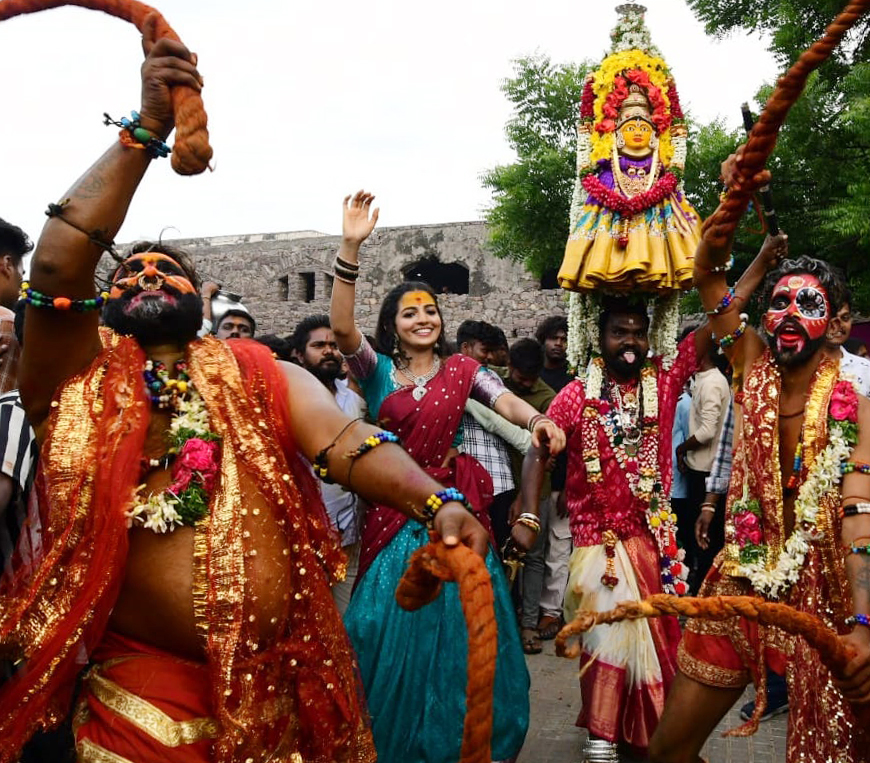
(164, 391)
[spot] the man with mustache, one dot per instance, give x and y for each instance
(186, 555)
(618, 423)
(315, 349)
(797, 521)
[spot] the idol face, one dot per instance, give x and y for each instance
(637, 134)
(153, 300)
(797, 319)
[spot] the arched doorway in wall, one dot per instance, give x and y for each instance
(444, 278)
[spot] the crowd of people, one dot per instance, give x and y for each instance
(202, 534)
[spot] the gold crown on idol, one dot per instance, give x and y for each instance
(635, 106)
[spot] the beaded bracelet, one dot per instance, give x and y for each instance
(435, 501)
(36, 298)
(854, 548)
(727, 299)
(532, 521)
(133, 135)
(371, 442)
(724, 268)
(853, 509)
(729, 339)
(847, 467)
(858, 620)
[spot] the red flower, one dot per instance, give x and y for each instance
(844, 402)
(615, 202)
(680, 588)
(587, 101)
(197, 457)
(747, 528)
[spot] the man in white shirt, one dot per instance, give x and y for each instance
(852, 367)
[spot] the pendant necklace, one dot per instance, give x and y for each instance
(628, 409)
(420, 382)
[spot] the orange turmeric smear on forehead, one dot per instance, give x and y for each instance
(415, 299)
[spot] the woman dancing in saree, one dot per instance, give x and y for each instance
(413, 664)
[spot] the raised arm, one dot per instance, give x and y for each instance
(386, 474)
(519, 412)
(59, 344)
(358, 222)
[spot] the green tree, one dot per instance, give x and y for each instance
(528, 220)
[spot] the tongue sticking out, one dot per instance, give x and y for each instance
(629, 357)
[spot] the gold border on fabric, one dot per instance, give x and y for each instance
(148, 718)
(88, 752)
(710, 675)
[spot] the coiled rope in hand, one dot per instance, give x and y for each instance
(832, 652)
(429, 567)
(762, 140)
(191, 152)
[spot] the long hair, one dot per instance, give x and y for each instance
(828, 277)
(385, 333)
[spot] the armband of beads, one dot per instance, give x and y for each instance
(727, 299)
(724, 268)
(858, 620)
(730, 339)
(371, 442)
(847, 467)
(320, 463)
(853, 509)
(855, 548)
(532, 521)
(435, 501)
(133, 135)
(36, 298)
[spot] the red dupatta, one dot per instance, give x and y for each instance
(427, 428)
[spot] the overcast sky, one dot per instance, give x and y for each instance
(311, 99)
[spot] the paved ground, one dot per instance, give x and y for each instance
(555, 701)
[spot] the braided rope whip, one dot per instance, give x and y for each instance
(420, 585)
(762, 140)
(191, 152)
(831, 649)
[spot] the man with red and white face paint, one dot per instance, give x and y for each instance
(797, 318)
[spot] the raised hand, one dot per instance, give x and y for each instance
(359, 218)
(167, 63)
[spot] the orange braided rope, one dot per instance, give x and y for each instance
(191, 152)
(420, 584)
(762, 140)
(832, 652)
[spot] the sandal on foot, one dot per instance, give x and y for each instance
(531, 642)
(549, 627)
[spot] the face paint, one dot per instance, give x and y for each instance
(148, 271)
(799, 311)
(415, 299)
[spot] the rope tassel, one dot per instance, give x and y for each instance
(192, 152)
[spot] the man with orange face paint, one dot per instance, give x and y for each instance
(186, 555)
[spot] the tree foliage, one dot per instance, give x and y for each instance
(528, 220)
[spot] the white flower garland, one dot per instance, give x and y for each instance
(583, 313)
(157, 511)
(664, 328)
(823, 478)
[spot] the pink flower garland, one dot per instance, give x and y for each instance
(663, 187)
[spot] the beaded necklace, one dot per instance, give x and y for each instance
(164, 391)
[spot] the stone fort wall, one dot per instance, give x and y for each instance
(284, 277)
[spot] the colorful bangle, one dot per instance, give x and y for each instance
(858, 620)
(133, 135)
(847, 467)
(36, 298)
(727, 299)
(435, 501)
(532, 521)
(371, 442)
(729, 339)
(853, 509)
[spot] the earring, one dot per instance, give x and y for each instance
(620, 140)
(654, 141)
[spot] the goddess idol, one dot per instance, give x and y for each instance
(631, 226)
